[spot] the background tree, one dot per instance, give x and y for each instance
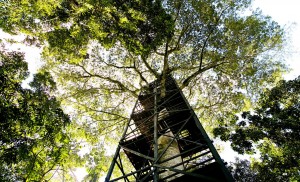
(102, 54)
(242, 172)
(272, 129)
(34, 143)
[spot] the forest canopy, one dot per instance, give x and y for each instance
(101, 54)
(33, 138)
(273, 130)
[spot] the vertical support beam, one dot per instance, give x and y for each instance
(211, 147)
(155, 118)
(117, 153)
(112, 165)
(213, 150)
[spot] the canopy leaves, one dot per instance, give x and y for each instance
(33, 138)
(273, 130)
(70, 25)
(103, 53)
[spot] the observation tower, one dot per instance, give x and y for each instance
(165, 141)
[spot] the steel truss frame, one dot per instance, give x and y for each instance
(152, 117)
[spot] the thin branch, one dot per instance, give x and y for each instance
(50, 169)
(137, 70)
(112, 125)
(74, 175)
(178, 46)
(101, 111)
(199, 71)
(119, 67)
(121, 85)
(107, 132)
(35, 158)
(93, 117)
(53, 174)
(202, 49)
(178, 10)
(184, 68)
(149, 67)
(209, 106)
(207, 38)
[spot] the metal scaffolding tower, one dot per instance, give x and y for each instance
(164, 141)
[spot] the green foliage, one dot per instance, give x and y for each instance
(140, 25)
(33, 137)
(102, 54)
(273, 129)
(241, 171)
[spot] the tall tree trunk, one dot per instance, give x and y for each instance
(165, 71)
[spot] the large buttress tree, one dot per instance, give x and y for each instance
(103, 53)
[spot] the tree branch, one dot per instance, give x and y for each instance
(121, 85)
(137, 70)
(100, 111)
(149, 67)
(207, 38)
(202, 50)
(199, 71)
(106, 112)
(119, 67)
(177, 45)
(184, 68)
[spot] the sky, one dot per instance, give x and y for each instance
(32, 54)
(285, 12)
